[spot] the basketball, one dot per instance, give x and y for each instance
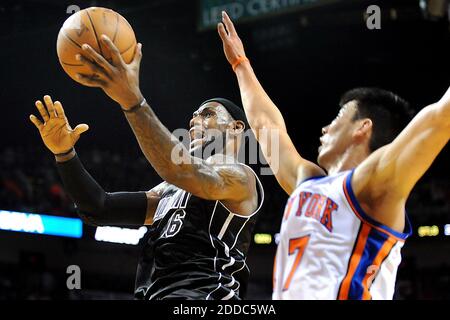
(87, 26)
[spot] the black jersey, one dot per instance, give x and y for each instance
(195, 249)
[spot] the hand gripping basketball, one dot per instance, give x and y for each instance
(119, 80)
(55, 131)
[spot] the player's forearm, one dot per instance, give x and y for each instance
(436, 116)
(259, 108)
(158, 144)
(443, 106)
(95, 206)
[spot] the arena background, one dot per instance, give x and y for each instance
(305, 58)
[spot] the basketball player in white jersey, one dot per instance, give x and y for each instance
(345, 222)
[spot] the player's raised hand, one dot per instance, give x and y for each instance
(120, 81)
(232, 44)
(57, 134)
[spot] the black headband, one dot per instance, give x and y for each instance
(236, 112)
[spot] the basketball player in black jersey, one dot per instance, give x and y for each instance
(201, 217)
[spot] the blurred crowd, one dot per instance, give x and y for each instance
(32, 279)
(429, 202)
(422, 283)
(29, 183)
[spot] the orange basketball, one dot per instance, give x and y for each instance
(87, 26)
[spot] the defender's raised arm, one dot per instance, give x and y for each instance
(263, 114)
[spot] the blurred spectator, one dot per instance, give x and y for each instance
(30, 183)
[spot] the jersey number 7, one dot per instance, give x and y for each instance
(296, 245)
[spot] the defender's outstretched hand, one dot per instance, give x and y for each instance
(120, 81)
(57, 134)
(232, 44)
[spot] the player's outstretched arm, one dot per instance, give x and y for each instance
(165, 153)
(263, 115)
(173, 162)
(390, 173)
(95, 206)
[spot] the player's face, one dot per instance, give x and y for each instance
(337, 136)
(208, 123)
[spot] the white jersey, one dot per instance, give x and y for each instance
(330, 249)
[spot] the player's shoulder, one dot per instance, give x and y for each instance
(230, 164)
(309, 171)
(370, 177)
(161, 188)
(236, 173)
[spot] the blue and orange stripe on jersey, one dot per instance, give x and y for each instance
(353, 263)
(372, 246)
(371, 249)
(365, 218)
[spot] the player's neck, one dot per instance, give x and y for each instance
(223, 158)
(229, 154)
(350, 159)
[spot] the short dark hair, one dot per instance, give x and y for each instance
(389, 113)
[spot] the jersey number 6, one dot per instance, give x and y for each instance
(175, 223)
